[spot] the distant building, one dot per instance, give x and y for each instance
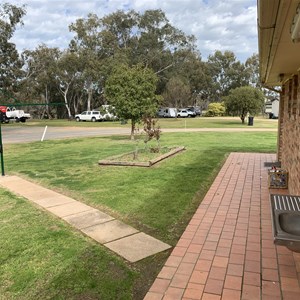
(272, 108)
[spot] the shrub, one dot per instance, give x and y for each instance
(215, 109)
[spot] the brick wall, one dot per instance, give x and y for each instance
(289, 132)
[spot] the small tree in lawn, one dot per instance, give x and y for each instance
(131, 90)
(243, 100)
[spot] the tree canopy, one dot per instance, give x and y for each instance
(131, 90)
(77, 76)
(10, 63)
(244, 100)
(227, 72)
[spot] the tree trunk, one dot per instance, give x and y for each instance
(90, 95)
(65, 95)
(132, 130)
(47, 106)
(243, 119)
(67, 106)
(75, 107)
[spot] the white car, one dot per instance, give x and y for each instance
(92, 116)
(191, 113)
(183, 113)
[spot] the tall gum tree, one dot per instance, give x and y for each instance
(227, 73)
(39, 83)
(177, 93)
(10, 63)
(126, 37)
(68, 76)
(87, 43)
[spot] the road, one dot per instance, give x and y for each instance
(16, 134)
(19, 134)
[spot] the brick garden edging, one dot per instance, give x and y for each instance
(149, 163)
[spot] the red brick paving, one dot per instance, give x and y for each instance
(227, 250)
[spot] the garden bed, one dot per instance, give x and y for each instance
(143, 158)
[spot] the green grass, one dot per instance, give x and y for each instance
(143, 155)
(199, 122)
(42, 258)
(159, 201)
(216, 122)
(164, 191)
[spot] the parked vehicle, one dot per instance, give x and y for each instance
(161, 112)
(11, 113)
(195, 109)
(108, 113)
(92, 116)
(167, 112)
(191, 113)
(182, 113)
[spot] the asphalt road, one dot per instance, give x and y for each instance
(19, 134)
(16, 134)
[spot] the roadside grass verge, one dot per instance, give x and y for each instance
(199, 122)
(159, 201)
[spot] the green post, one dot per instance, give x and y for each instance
(1, 151)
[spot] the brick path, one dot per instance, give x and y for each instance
(227, 250)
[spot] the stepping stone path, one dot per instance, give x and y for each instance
(124, 240)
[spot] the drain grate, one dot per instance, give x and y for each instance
(286, 202)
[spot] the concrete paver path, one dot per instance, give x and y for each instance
(115, 235)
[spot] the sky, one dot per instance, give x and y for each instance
(217, 25)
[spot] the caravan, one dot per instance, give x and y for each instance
(167, 112)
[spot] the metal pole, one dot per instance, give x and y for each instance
(1, 151)
(44, 133)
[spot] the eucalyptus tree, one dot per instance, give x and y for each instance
(158, 40)
(146, 38)
(69, 79)
(189, 65)
(126, 38)
(87, 44)
(252, 67)
(39, 84)
(227, 73)
(177, 92)
(10, 63)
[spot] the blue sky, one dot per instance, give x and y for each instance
(217, 25)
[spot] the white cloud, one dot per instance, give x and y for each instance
(217, 25)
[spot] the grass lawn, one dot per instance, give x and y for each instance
(41, 258)
(199, 122)
(159, 201)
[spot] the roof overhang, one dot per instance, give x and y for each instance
(279, 56)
